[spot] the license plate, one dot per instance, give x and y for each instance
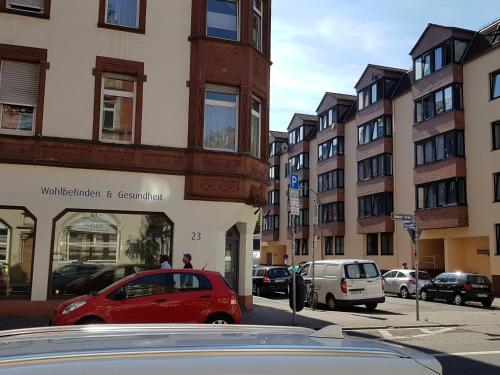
(482, 295)
(356, 291)
(279, 280)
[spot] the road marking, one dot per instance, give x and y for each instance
(465, 354)
(425, 333)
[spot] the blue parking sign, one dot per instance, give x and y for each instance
(294, 181)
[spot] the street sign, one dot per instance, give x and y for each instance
(410, 225)
(315, 214)
(404, 217)
(294, 202)
(414, 233)
(294, 181)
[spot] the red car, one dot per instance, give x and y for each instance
(159, 296)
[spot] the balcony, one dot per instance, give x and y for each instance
(443, 217)
(375, 224)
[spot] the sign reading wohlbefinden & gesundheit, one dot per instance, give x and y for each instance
(74, 192)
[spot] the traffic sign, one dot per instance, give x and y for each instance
(294, 181)
(294, 202)
(410, 225)
(404, 217)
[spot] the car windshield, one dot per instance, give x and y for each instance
(422, 275)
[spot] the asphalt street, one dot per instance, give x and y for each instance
(465, 339)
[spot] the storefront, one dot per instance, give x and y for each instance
(61, 224)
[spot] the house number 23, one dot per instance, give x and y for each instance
(196, 236)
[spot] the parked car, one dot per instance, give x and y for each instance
(104, 277)
(403, 282)
(206, 349)
(159, 296)
(270, 279)
(345, 283)
(64, 275)
(459, 288)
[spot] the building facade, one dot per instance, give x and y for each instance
(129, 129)
(423, 141)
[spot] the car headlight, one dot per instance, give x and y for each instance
(73, 306)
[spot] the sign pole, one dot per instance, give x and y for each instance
(294, 285)
(417, 288)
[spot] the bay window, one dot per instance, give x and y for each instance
(441, 193)
(257, 24)
(438, 57)
(375, 129)
(331, 180)
(222, 19)
(440, 147)
(255, 127)
(18, 96)
(379, 204)
(331, 212)
(221, 118)
(437, 102)
(298, 162)
(271, 223)
(376, 166)
(331, 148)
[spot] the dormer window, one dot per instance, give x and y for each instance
(296, 135)
(371, 94)
(439, 57)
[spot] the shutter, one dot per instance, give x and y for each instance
(19, 83)
(29, 5)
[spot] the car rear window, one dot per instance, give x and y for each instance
(278, 272)
(475, 279)
(421, 275)
(361, 271)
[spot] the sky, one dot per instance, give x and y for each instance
(325, 45)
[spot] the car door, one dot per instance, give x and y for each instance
(190, 296)
(142, 300)
(449, 287)
(388, 279)
(372, 279)
(434, 289)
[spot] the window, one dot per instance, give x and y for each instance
(460, 47)
(271, 222)
(370, 95)
(305, 247)
(331, 180)
(375, 129)
(34, 8)
(339, 245)
(303, 218)
(377, 166)
(275, 148)
(4, 243)
(329, 245)
(438, 102)
(124, 15)
(147, 286)
(18, 96)
(361, 271)
(418, 68)
(303, 189)
(331, 212)
(426, 65)
(441, 193)
(274, 197)
(372, 244)
(222, 19)
(295, 136)
(495, 129)
(379, 204)
(257, 25)
(118, 89)
(298, 162)
(118, 97)
(297, 246)
(331, 148)
(386, 244)
(495, 85)
(497, 229)
(274, 173)
(256, 126)
(440, 147)
(439, 57)
(329, 117)
(221, 118)
(108, 238)
(496, 186)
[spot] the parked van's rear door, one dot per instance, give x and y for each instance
(363, 280)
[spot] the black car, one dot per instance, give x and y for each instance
(105, 277)
(459, 288)
(64, 275)
(268, 279)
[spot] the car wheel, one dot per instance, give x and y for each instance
(90, 320)
(424, 296)
(404, 293)
(371, 306)
(458, 300)
(330, 302)
(220, 319)
(487, 302)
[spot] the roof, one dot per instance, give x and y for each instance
(383, 68)
(404, 85)
(334, 95)
(306, 117)
(277, 134)
(128, 349)
(439, 26)
(483, 41)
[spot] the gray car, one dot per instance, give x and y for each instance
(203, 349)
(403, 282)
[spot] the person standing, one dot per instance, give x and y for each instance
(186, 259)
(405, 266)
(164, 263)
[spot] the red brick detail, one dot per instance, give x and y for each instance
(377, 224)
(443, 217)
(442, 170)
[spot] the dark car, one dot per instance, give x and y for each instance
(270, 279)
(67, 273)
(459, 288)
(105, 277)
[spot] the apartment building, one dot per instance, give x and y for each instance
(422, 141)
(129, 129)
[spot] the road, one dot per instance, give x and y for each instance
(465, 339)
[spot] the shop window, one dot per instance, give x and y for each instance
(221, 118)
(91, 242)
(17, 236)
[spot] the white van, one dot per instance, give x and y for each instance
(343, 282)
